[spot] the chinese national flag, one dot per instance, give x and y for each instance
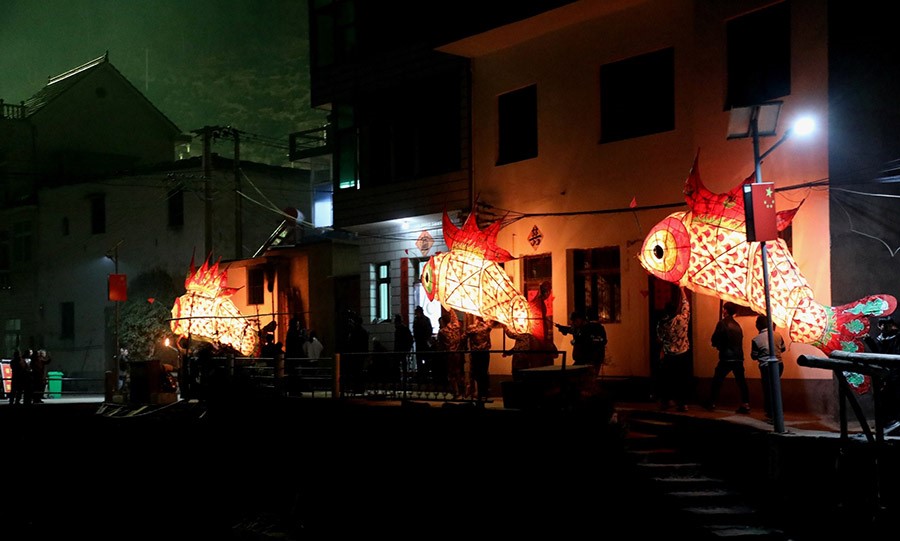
(759, 207)
(117, 287)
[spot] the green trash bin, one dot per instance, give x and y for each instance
(54, 384)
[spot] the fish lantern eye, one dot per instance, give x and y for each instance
(428, 279)
(667, 251)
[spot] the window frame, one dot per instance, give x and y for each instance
(608, 310)
(382, 291)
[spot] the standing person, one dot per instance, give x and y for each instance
(542, 326)
(295, 340)
(588, 340)
(312, 348)
(27, 379)
(479, 338)
(521, 356)
(39, 363)
(422, 335)
(759, 351)
(449, 364)
(19, 373)
(728, 338)
(403, 343)
(672, 333)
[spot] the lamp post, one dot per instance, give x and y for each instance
(756, 121)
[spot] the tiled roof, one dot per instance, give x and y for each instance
(60, 83)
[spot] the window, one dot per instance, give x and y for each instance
(412, 132)
(597, 282)
(323, 205)
(21, 242)
(637, 96)
(175, 198)
(98, 214)
(256, 277)
(537, 269)
(333, 32)
(347, 155)
(67, 320)
(517, 125)
(383, 291)
(759, 56)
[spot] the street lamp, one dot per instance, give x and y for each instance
(758, 121)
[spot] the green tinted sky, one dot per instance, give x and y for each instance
(201, 62)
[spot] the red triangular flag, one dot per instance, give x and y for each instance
(633, 202)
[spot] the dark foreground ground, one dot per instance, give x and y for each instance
(320, 470)
(333, 469)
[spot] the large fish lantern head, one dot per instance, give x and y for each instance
(705, 249)
(469, 277)
(206, 313)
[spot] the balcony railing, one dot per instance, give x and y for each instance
(12, 111)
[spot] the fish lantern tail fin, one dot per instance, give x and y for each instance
(851, 321)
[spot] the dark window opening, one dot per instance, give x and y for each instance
(637, 96)
(256, 287)
(175, 200)
(759, 56)
(67, 320)
(98, 214)
(517, 125)
(597, 279)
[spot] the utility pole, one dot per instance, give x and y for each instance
(207, 189)
(238, 199)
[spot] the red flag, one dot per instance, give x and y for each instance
(117, 288)
(633, 202)
(759, 207)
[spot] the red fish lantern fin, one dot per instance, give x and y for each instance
(495, 252)
(693, 184)
(785, 217)
(229, 291)
(451, 232)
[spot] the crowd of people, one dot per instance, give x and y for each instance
(29, 376)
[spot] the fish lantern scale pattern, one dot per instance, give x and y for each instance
(206, 313)
(705, 249)
(470, 279)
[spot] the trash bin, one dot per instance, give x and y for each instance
(54, 384)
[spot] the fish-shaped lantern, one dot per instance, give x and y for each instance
(469, 277)
(205, 312)
(706, 250)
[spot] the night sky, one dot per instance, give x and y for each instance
(242, 63)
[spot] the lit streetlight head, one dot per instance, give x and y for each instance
(804, 126)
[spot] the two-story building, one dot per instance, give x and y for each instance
(577, 124)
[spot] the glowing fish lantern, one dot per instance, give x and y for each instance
(706, 250)
(205, 312)
(469, 278)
